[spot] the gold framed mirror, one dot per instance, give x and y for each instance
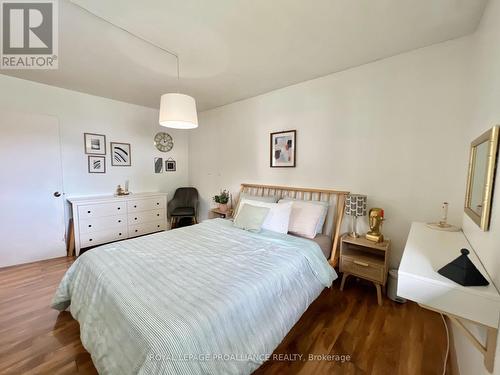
(481, 177)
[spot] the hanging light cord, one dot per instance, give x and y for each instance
(447, 344)
(131, 34)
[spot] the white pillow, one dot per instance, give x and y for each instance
(251, 217)
(324, 204)
(278, 217)
(305, 218)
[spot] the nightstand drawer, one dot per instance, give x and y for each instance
(362, 268)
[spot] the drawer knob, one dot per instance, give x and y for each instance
(136, 230)
(157, 214)
(158, 226)
(135, 206)
(157, 203)
(361, 263)
(135, 218)
(90, 226)
(88, 212)
(90, 240)
(119, 207)
(119, 221)
(119, 234)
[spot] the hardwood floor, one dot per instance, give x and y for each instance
(389, 339)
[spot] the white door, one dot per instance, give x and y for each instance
(31, 196)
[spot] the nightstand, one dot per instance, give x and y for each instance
(215, 212)
(364, 259)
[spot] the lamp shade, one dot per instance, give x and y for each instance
(178, 111)
(355, 205)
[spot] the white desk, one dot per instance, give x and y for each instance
(428, 250)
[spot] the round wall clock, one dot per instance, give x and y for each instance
(163, 142)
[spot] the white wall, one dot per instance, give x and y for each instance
(485, 113)
(392, 129)
(121, 122)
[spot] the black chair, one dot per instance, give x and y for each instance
(183, 205)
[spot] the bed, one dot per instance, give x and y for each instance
(205, 299)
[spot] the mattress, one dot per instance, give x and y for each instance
(204, 299)
(324, 242)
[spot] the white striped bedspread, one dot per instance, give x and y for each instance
(204, 299)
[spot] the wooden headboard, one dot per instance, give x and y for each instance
(335, 215)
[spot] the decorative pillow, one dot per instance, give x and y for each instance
(251, 217)
(278, 217)
(260, 198)
(325, 205)
(305, 218)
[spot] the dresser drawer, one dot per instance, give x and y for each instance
(96, 238)
(145, 228)
(100, 210)
(98, 224)
(146, 204)
(146, 216)
(365, 269)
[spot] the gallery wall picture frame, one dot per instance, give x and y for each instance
(170, 165)
(97, 164)
(121, 154)
(95, 144)
(158, 165)
(283, 149)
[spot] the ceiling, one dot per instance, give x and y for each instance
(234, 49)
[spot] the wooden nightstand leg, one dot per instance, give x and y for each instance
(344, 276)
(379, 294)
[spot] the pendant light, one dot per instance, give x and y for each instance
(176, 110)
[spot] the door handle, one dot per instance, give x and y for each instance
(57, 194)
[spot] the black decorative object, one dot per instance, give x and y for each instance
(463, 271)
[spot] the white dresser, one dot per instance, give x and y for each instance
(102, 219)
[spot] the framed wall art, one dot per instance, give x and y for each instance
(97, 164)
(121, 154)
(170, 165)
(158, 165)
(283, 148)
(95, 144)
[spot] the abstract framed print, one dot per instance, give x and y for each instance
(158, 165)
(97, 164)
(170, 165)
(95, 144)
(120, 154)
(282, 149)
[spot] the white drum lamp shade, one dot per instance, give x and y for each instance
(178, 111)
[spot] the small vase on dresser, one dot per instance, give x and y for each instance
(102, 219)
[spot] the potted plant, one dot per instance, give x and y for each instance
(222, 200)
